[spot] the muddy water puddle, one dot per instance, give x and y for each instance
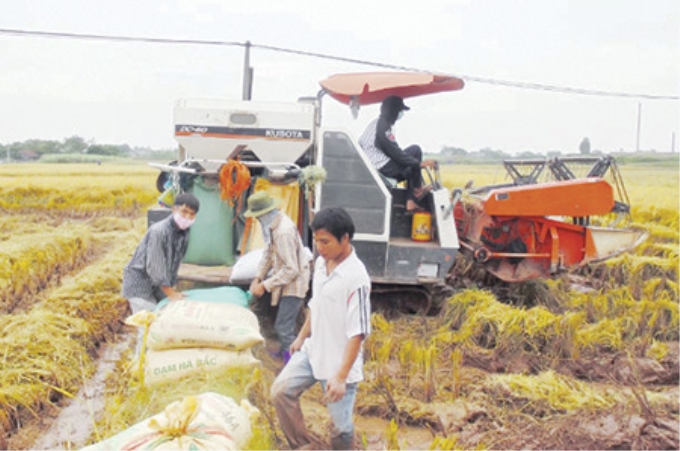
(75, 422)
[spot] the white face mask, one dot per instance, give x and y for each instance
(400, 115)
(182, 222)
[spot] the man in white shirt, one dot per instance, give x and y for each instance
(328, 348)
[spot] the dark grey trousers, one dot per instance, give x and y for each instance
(286, 320)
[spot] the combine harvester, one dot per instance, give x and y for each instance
(523, 230)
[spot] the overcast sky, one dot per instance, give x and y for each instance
(121, 92)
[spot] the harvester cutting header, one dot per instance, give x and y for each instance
(532, 227)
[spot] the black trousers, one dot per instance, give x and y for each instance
(409, 173)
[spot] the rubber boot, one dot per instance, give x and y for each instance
(342, 441)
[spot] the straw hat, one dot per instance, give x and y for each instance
(260, 203)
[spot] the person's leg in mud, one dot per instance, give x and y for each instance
(295, 378)
(342, 434)
(286, 322)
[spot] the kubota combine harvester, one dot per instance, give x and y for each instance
(528, 228)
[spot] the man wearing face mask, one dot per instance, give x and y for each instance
(380, 145)
(284, 270)
(151, 274)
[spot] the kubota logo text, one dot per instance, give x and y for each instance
(290, 134)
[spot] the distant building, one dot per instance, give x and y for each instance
(27, 155)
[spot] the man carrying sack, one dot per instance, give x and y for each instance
(286, 257)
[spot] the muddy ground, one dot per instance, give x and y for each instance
(410, 423)
(69, 423)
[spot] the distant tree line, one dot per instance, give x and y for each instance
(459, 155)
(76, 148)
(35, 149)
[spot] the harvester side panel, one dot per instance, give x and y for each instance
(576, 198)
(373, 255)
(351, 185)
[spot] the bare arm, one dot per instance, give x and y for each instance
(305, 332)
(173, 294)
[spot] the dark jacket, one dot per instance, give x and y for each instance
(384, 138)
(156, 261)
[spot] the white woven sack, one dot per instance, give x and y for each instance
(173, 364)
(244, 270)
(197, 324)
(215, 422)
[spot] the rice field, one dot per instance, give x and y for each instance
(534, 366)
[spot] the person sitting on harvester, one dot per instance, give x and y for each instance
(380, 145)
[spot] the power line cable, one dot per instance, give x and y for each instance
(97, 37)
(492, 81)
(484, 80)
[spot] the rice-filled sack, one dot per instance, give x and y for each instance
(172, 364)
(189, 324)
(244, 270)
(209, 421)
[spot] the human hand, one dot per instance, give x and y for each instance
(253, 283)
(257, 288)
(296, 345)
(175, 295)
(335, 389)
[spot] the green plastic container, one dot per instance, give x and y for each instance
(211, 242)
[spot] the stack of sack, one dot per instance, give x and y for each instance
(209, 421)
(211, 330)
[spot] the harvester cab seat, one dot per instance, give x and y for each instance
(389, 182)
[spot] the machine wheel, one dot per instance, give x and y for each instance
(162, 178)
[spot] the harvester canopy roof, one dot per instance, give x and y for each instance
(373, 87)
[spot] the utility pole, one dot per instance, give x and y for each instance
(673, 142)
(639, 120)
(247, 74)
